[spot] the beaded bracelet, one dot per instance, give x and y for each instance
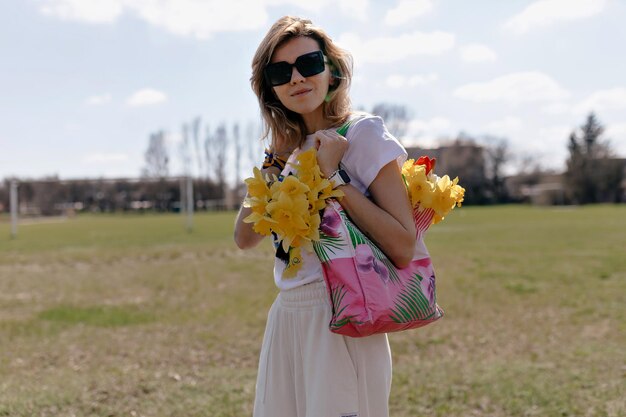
(273, 160)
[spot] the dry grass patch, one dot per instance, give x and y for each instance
(132, 316)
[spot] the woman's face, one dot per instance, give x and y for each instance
(302, 95)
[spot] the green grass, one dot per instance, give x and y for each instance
(105, 316)
(132, 315)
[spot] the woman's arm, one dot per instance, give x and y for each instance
(245, 236)
(388, 219)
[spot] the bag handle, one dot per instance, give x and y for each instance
(344, 128)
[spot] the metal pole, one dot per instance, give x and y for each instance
(182, 201)
(190, 203)
(13, 198)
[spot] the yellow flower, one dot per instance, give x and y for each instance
(257, 204)
(426, 190)
(263, 224)
(314, 227)
(444, 198)
(292, 187)
(257, 185)
(291, 216)
(458, 192)
(290, 208)
(327, 191)
(307, 160)
(419, 185)
(309, 173)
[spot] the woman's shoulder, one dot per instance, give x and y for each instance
(361, 122)
(362, 117)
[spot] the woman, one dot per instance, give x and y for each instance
(301, 79)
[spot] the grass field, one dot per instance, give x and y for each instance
(132, 316)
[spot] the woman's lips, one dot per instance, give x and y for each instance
(301, 92)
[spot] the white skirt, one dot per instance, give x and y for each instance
(307, 371)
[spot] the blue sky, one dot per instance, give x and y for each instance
(83, 83)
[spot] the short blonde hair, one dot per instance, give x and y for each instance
(284, 127)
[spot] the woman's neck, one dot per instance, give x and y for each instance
(315, 121)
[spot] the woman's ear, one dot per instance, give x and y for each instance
(333, 82)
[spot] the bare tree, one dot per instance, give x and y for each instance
(396, 117)
(464, 158)
(215, 146)
(207, 152)
(220, 141)
(238, 153)
(255, 145)
(156, 157)
(497, 155)
(525, 163)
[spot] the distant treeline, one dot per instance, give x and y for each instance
(593, 174)
(52, 196)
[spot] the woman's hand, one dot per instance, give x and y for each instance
(245, 236)
(331, 147)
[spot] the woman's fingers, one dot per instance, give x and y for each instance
(331, 147)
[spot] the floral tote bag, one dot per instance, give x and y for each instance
(368, 293)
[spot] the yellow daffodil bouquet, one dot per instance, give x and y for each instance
(290, 206)
(428, 191)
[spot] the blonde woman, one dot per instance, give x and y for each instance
(301, 79)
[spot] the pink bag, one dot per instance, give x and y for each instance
(367, 292)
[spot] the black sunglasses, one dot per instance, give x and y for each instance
(310, 64)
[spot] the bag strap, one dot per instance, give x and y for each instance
(344, 128)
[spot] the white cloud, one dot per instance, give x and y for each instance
(72, 127)
(513, 88)
(506, 126)
(477, 53)
(194, 18)
(197, 18)
(616, 133)
(551, 138)
(356, 8)
(557, 108)
(358, 80)
(552, 134)
(616, 130)
(201, 19)
(389, 49)
(99, 100)
(426, 133)
(90, 11)
(547, 12)
(173, 138)
(400, 81)
(407, 10)
(105, 158)
(547, 144)
(602, 100)
(146, 97)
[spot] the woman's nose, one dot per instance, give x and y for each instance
(296, 77)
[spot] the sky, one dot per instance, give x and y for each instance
(83, 83)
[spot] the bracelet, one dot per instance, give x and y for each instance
(339, 178)
(273, 160)
(332, 174)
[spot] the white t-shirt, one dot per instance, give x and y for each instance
(370, 147)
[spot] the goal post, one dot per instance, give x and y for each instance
(13, 204)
